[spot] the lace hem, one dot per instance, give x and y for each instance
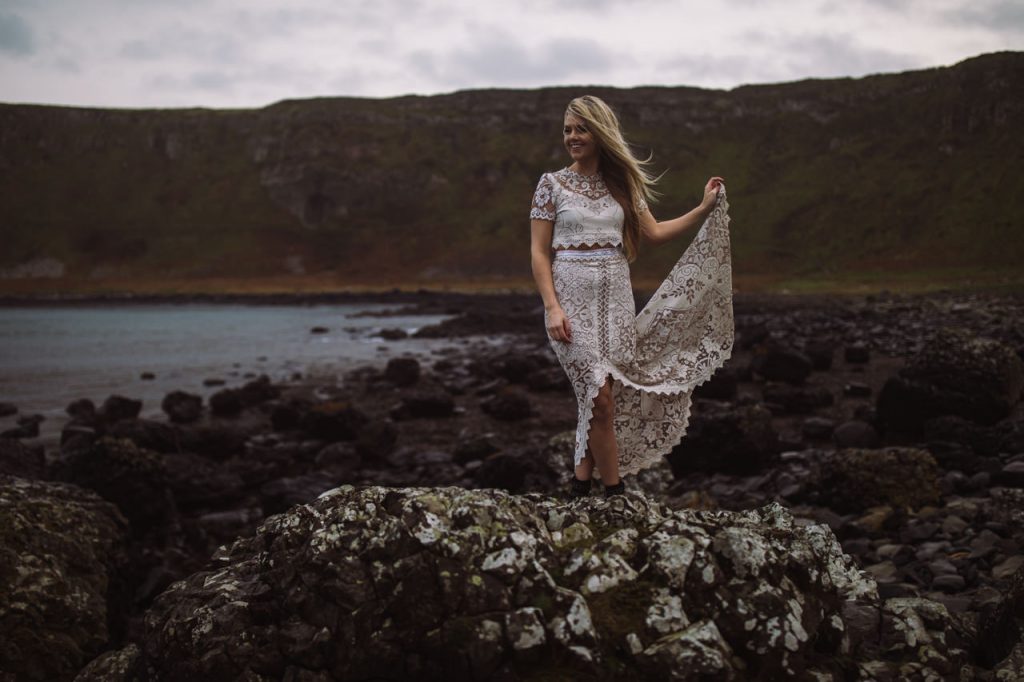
(541, 214)
(651, 458)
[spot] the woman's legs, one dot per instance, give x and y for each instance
(602, 448)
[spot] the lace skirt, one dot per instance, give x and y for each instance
(657, 357)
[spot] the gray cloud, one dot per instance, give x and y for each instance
(16, 35)
(500, 60)
(1001, 16)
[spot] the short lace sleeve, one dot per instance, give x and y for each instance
(543, 206)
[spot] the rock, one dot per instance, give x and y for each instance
(820, 352)
(226, 402)
(817, 427)
(392, 334)
(508, 404)
(333, 421)
(736, 440)
(117, 407)
(955, 373)
(856, 353)
(131, 477)
(722, 385)
(18, 459)
(465, 584)
(856, 389)
(1012, 475)
(426, 403)
(1006, 569)
(182, 407)
(777, 362)
(402, 371)
(795, 399)
(856, 479)
(376, 439)
(855, 434)
(116, 665)
(62, 598)
(7, 409)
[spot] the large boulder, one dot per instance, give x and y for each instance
(61, 596)
(456, 584)
(955, 373)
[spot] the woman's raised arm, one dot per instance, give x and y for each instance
(659, 232)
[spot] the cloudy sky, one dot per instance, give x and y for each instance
(249, 53)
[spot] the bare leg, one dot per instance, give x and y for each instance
(601, 439)
(585, 469)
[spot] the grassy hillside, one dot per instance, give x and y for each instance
(910, 176)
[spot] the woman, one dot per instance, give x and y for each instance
(633, 375)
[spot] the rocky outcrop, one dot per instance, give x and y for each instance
(449, 583)
(61, 599)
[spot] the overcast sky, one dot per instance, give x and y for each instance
(250, 53)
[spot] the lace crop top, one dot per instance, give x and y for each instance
(582, 208)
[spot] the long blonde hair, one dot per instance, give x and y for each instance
(627, 178)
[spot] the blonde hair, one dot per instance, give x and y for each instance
(627, 178)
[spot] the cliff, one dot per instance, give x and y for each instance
(914, 170)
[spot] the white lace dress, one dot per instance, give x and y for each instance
(657, 357)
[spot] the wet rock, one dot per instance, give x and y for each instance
(148, 434)
(796, 399)
(402, 371)
(392, 334)
(461, 584)
(182, 407)
(62, 598)
(7, 409)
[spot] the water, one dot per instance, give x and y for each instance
(51, 356)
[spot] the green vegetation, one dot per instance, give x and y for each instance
(900, 181)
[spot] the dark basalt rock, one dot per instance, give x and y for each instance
(131, 477)
(18, 459)
(402, 371)
(333, 421)
(61, 595)
(777, 362)
(853, 480)
(117, 407)
(508, 404)
(469, 585)
(955, 373)
(182, 407)
(727, 439)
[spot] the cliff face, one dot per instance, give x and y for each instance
(909, 170)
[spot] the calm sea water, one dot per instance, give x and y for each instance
(50, 356)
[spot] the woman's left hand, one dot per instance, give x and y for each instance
(711, 191)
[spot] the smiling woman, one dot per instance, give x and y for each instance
(633, 375)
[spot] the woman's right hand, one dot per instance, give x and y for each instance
(558, 325)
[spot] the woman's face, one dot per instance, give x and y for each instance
(579, 141)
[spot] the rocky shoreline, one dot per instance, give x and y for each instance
(887, 427)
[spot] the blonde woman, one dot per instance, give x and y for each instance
(633, 374)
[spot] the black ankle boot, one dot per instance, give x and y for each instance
(616, 489)
(579, 488)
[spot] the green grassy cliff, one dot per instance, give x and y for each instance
(916, 172)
